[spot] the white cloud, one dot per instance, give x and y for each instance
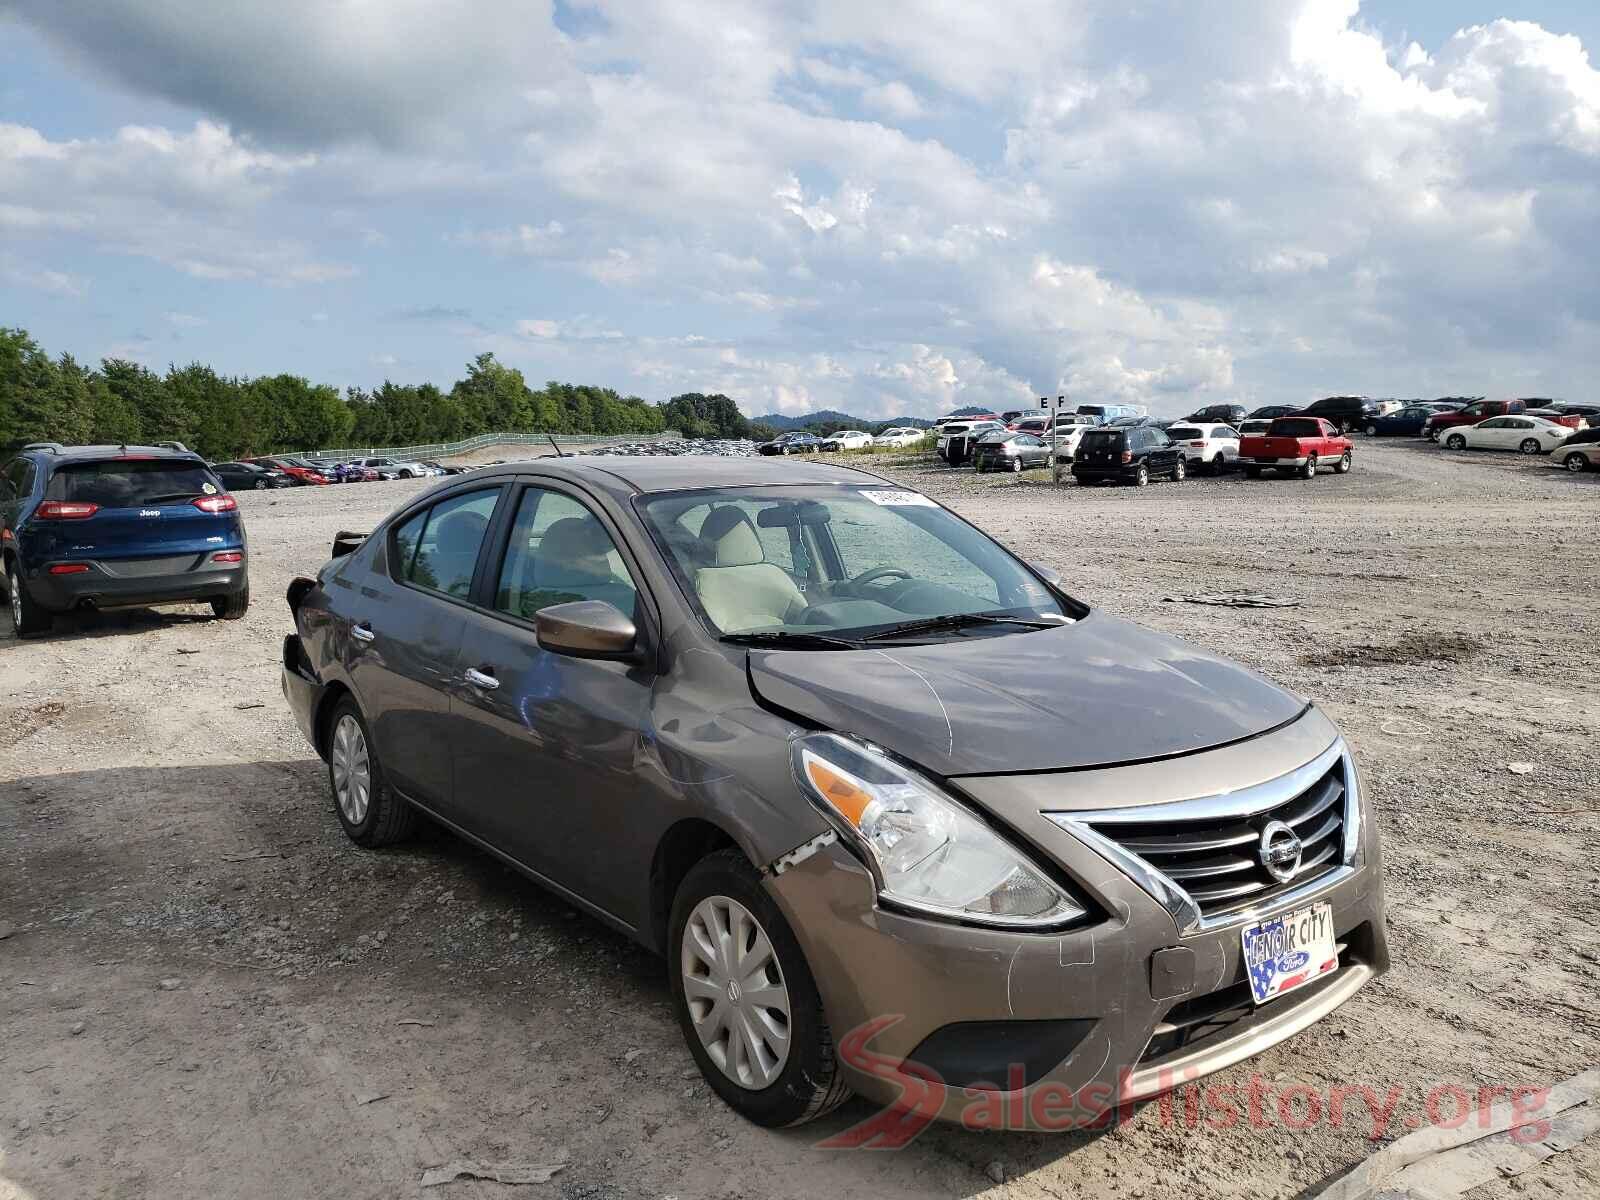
(59, 283)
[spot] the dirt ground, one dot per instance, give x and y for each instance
(206, 991)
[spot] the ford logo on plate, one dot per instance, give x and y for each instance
(1293, 960)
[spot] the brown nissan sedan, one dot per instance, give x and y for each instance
(902, 814)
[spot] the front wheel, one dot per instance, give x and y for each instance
(1342, 467)
(1576, 463)
(369, 811)
(261, 485)
(1530, 446)
(27, 618)
(745, 998)
(1455, 442)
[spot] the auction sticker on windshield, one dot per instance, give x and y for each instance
(1289, 951)
(894, 497)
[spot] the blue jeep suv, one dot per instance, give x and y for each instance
(115, 527)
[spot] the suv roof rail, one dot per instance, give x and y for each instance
(53, 447)
(178, 446)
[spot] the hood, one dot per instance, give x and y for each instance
(1097, 693)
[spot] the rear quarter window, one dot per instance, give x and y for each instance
(127, 483)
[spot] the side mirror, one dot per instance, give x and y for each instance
(1049, 574)
(586, 629)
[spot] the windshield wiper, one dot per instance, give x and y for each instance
(172, 496)
(793, 641)
(956, 621)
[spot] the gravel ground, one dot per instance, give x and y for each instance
(205, 991)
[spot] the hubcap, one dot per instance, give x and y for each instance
(737, 998)
(352, 770)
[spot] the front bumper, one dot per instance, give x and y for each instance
(1058, 1027)
(101, 587)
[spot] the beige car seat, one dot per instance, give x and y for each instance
(742, 590)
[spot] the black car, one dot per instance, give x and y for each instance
(117, 527)
(1127, 456)
(1589, 412)
(792, 443)
(1344, 413)
(1220, 414)
(243, 476)
(1406, 422)
(1592, 434)
(1269, 412)
(1006, 450)
(439, 466)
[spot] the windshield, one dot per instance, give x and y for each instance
(789, 563)
(126, 483)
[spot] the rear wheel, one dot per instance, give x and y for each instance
(1342, 467)
(745, 998)
(231, 608)
(27, 618)
(1179, 470)
(1016, 466)
(367, 807)
(1309, 470)
(1575, 463)
(1530, 446)
(1372, 430)
(1143, 477)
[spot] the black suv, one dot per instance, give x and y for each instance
(117, 527)
(1127, 456)
(1219, 414)
(1344, 413)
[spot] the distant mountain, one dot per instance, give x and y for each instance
(832, 420)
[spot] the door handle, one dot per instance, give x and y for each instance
(362, 632)
(477, 678)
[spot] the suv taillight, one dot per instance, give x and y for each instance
(215, 504)
(64, 510)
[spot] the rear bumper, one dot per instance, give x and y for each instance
(98, 587)
(1123, 471)
(1278, 462)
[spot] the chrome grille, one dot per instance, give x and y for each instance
(1202, 858)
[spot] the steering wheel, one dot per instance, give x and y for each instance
(875, 574)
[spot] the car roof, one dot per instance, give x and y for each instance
(92, 453)
(649, 473)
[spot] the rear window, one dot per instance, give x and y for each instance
(1103, 439)
(127, 483)
(1179, 433)
(1294, 427)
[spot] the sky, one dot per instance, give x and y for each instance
(886, 208)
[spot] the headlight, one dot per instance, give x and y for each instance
(927, 851)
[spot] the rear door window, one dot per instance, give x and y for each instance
(131, 483)
(438, 547)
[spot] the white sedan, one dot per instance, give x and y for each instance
(847, 439)
(1530, 435)
(900, 435)
(1209, 445)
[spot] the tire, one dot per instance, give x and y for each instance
(1309, 471)
(27, 618)
(231, 608)
(1531, 446)
(1016, 466)
(261, 485)
(1455, 442)
(1372, 430)
(1576, 463)
(1179, 470)
(386, 818)
(1432, 435)
(1252, 472)
(1342, 467)
(1143, 477)
(807, 1082)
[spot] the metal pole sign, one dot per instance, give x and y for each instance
(1053, 411)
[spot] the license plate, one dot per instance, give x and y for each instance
(1289, 951)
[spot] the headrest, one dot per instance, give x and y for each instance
(575, 547)
(731, 538)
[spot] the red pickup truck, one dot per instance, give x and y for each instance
(1298, 444)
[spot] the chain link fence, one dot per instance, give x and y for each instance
(449, 449)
